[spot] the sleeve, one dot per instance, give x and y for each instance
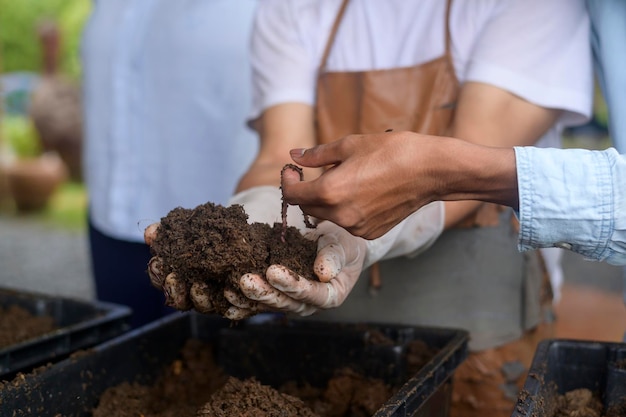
(282, 68)
(540, 51)
(573, 199)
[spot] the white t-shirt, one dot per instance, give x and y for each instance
(536, 49)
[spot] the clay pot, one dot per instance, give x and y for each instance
(4, 186)
(33, 181)
(55, 105)
(55, 109)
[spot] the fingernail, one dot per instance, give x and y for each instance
(297, 153)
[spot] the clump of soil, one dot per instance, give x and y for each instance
(251, 399)
(578, 403)
(18, 325)
(584, 403)
(348, 393)
(215, 245)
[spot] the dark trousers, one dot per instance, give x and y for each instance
(119, 268)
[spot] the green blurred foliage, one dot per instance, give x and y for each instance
(21, 137)
(19, 45)
(600, 110)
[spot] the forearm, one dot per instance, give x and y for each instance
(466, 171)
(475, 172)
(489, 116)
(281, 128)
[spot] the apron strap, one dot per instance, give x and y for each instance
(448, 36)
(341, 12)
(333, 34)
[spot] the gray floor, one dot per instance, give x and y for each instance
(35, 257)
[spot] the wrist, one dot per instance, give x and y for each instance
(476, 172)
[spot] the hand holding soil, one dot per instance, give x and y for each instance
(200, 255)
(211, 259)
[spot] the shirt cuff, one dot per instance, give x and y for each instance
(566, 200)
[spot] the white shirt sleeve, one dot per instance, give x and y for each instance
(282, 68)
(540, 51)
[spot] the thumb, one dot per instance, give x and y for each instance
(337, 250)
(331, 257)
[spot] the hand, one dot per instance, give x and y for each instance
(330, 260)
(262, 205)
(338, 265)
(373, 183)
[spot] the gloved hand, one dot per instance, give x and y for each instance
(261, 204)
(338, 264)
(340, 260)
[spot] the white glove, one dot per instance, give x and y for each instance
(338, 265)
(410, 237)
(263, 204)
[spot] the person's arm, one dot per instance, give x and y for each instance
(488, 115)
(378, 180)
(569, 198)
(281, 128)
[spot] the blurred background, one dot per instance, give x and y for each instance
(43, 242)
(42, 196)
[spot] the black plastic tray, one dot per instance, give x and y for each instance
(81, 324)
(274, 351)
(562, 365)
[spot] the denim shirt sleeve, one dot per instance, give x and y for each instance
(573, 199)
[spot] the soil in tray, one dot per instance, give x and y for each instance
(194, 386)
(584, 403)
(214, 246)
(18, 325)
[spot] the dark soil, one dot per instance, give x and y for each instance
(18, 325)
(195, 386)
(251, 399)
(216, 245)
(184, 386)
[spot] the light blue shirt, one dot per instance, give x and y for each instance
(573, 199)
(167, 91)
(608, 37)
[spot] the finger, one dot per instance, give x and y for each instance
(176, 294)
(150, 233)
(239, 300)
(155, 272)
(330, 258)
(200, 295)
(255, 287)
(236, 313)
(318, 294)
(318, 156)
(290, 176)
(331, 254)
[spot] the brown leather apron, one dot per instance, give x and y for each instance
(472, 278)
(420, 98)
